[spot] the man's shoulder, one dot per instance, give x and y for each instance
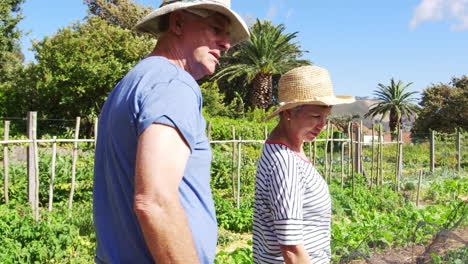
(154, 65)
(154, 69)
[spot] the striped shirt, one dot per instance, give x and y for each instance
(292, 207)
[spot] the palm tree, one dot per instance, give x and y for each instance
(267, 52)
(394, 100)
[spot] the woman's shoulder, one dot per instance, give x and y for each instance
(276, 149)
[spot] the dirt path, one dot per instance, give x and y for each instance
(418, 254)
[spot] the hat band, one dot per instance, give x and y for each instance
(191, 1)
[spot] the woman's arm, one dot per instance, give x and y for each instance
(294, 254)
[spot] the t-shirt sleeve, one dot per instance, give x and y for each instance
(174, 104)
(286, 199)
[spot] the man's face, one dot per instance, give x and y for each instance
(204, 39)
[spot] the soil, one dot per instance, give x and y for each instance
(418, 254)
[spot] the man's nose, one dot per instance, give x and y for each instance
(224, 43)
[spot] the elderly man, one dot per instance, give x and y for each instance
(152, 198)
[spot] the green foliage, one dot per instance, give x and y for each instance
(11, 57)
(393, 100)
(54, 239)
(228, 215)
(458, 256)
(76, 69)
(221, 127)
(386, 201)
(232, 218)
(362, 223)
(370, 229)
(225, 237)
(62, 182)
(444, 108)
(239, 255)
(447, 189)
(10, 12)
(122, 13)
(214, 105)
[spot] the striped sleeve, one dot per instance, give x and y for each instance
(286, 199)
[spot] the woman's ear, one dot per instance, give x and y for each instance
(287, 114)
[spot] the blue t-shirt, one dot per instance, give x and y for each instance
(154, 91)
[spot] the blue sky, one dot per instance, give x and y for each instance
(361, 42)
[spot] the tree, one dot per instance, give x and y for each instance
(76, 69)
(393, 100)
(122, 13)
(11, 57)
(444, 108)
(268, 52)
(342, 121)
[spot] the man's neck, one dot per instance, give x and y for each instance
(169, 47)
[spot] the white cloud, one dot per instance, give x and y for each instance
(436, 10)
(290, 13)
(272, 11)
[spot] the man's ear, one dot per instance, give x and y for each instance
(176, 22)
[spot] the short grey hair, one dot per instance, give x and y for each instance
(297, 108)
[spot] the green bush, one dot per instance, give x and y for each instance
(56, 238)
(240, 255)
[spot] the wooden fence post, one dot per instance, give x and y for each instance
(357, 149)
(75, 157)
(380, 157)
(372, 162)
(361, 140)
(6, 135)
(459, 150)
(331, 154)
(96, 123)
(233, 163)
(432, 152)
(342, 163)
(419, 187)
(325, 153)
(350, 144)
(52, 173)
(31, 127)
(209, 131)
(353, 154)
(315, 152)
(36, 180)
(400, 158)
(239, 165)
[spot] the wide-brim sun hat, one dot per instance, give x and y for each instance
(307, 85)
(239, 29)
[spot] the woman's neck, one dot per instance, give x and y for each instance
(280, 135)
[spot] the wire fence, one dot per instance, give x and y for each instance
(345, 157)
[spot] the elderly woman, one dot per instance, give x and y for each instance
(292, 211)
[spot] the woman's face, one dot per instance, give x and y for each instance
(306, 123)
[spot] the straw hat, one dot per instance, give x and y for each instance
(239, 30)
(307, 85)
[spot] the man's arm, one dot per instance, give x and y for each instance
(294, 254)
(161, 158)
